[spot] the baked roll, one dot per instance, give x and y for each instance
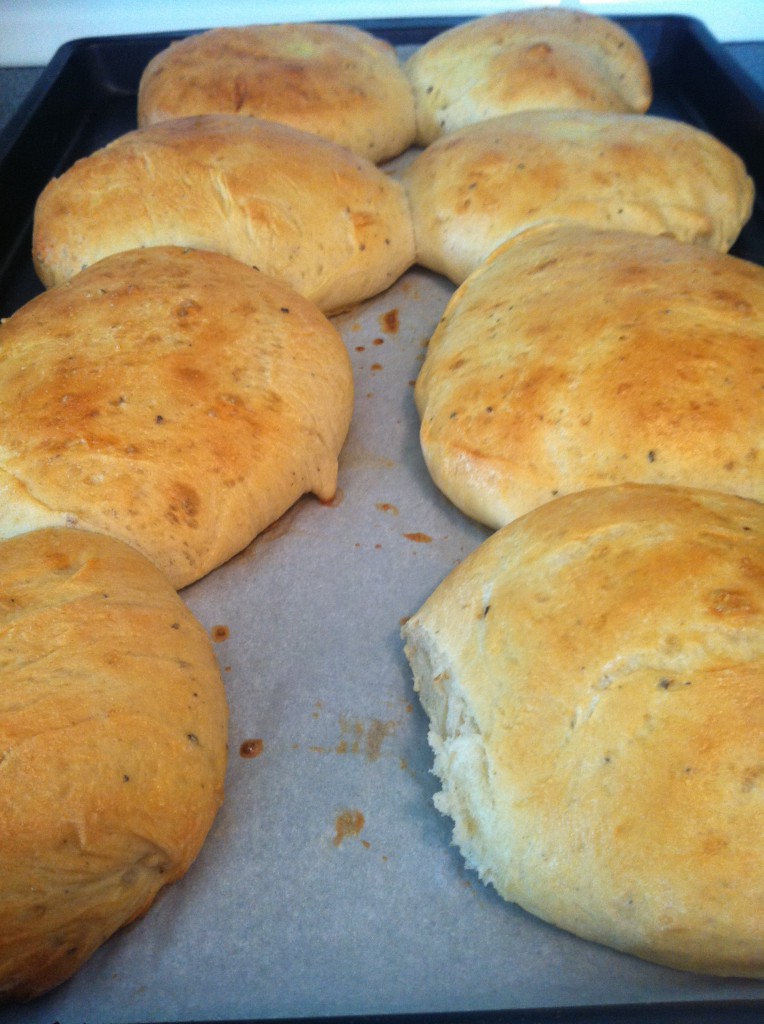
(175, 399)
(593, 676)
(472, 190)
(574, 358)
(304, 210)
(543, 58)
(338, 81)
(113, 726)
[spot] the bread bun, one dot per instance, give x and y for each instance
(472, 190)
(594, 676)
(304, 210)
(575, 358)
(548, 57)
(178, 400)
(335, 80)
(113, 725)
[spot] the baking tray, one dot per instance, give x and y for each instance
(328, 889)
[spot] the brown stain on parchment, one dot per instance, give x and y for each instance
(357, 737)
(251, 748)
(390, 321)
(347, 824)
(365, 738)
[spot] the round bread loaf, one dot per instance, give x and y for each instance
(594, 679)
(548, 57)
(575, 358)
(472, 190)
(178, 400)
(113, 725)
(335, 80)
(304, 210)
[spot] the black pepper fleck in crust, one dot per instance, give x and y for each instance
(673, 684)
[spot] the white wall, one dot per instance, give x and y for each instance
(31, 30)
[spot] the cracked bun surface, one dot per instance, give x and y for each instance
(593, 674)
(302, 209)
(113, 728)
(176, 399)
(337, 81)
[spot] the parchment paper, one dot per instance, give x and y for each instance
(329, 885)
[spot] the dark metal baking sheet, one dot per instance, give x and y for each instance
(87, 96)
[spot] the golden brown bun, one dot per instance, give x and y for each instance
(335, 80)
(525, 60)
(113, 726)
(330, 224)
(178, 400)
(575, 358)
(594, 679)
(473, 189)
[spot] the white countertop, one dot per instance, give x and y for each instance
(32, 30)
